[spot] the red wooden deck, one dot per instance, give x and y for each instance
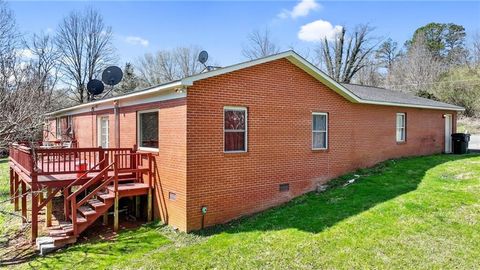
(119, 171)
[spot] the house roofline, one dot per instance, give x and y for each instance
(290, 55)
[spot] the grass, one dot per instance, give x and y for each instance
(8, 223)
(421, 212)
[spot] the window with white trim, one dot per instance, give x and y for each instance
(319, 131)
(147, 125)
(103, 131)
(401, 131)
(58, 128)
(235, 129)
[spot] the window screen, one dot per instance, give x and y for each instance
(148, 129)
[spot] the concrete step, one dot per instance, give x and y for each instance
(48, 244)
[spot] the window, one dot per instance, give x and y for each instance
(103, 131)
(401, 127)
(148, 129)
(235, 129)
(58, 128)
(69, 125)
(319, 131)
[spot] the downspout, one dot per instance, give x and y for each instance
(116, 111)
(93, 130)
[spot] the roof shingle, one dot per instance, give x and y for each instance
(385, 95)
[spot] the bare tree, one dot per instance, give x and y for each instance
(416, 71)
(44, 60)
(259, 45)
(166, 66)
(369, 75)
(343, 57)
(475, 50)
(22, 101)
(85, 46)
(387, 53)
(9, 46)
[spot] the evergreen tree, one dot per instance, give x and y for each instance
(129, 81)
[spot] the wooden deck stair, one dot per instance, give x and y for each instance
(93, 199)
(90, 212)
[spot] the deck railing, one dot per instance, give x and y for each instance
(52, 161)
(22, 157)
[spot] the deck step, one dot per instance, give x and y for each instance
(61, 232)
(130, 189)
(80, 219)
(64, 240)
(95, 203)
(86, 211)
(106, 196)
(129, 186)
(132, 179)
(142, 170)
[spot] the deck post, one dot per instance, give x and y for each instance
(149, 205)
(35, 197)
(115, 184)
(16, 187)
(137, 206)
(150, 186)
(105, 218)
(12, 186)
(24, 202)
(41, 197)
(48, 219)
(115, 213)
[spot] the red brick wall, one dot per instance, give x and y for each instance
(280, 99)
(170, 160)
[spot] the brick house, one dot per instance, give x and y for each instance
(246, 137)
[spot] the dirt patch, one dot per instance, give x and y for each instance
(18, 248)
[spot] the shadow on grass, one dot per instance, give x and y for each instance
(101, 253)
(315, 212)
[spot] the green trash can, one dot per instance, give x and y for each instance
(460, 143)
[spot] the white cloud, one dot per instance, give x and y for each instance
(300, 10)
(25, 54)
(318, 30)
(137, 41)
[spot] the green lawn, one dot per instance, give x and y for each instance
(419, 212)
(8, 223)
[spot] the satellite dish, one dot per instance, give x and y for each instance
(203, 57)
(95, 87)
(112, 75)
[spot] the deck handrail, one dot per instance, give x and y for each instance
(103, 185)
(57, 161)
(82, 176)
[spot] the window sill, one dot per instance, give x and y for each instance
(235, 153)
(400, 143)
(320, 150)
(149, 150)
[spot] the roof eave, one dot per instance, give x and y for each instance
(165, 87)
(458, 109)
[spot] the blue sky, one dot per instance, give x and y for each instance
(221, 27)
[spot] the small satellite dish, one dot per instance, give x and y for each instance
(95, 87)
(112, 75)
(203, 57)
